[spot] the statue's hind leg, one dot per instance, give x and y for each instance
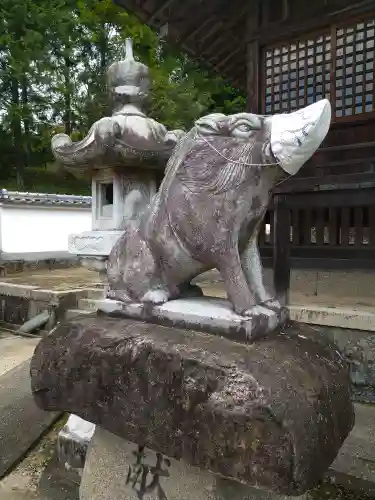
(133, 273)
(236, 285)
(253, 270)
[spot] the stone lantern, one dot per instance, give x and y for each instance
(124, 155)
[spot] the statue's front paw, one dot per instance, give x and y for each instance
(245, 311)
(248, 313)
(253, 311)
(258, 309)
(273, 305)
(156, 297)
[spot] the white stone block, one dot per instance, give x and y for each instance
(73, 441)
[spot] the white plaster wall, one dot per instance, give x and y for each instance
(25, 228)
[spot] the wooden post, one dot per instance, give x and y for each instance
(281, 249)
(252, 62)
(253, 58)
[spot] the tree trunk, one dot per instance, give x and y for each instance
(26, 121)
(17, 132)
(103, 51)
(67, 96)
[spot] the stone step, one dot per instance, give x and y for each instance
(95, 293)
(88, 304)
(338, 317)
(73, 313)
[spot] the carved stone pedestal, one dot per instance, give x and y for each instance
(118, 470)
(271, 414)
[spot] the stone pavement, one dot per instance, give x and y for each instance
(14, 350)
(21, 422)
(335, 288)
(355, 464)
(21, 426)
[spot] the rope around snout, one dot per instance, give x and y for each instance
(239, 162)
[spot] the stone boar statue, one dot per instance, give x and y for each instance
(210, 206)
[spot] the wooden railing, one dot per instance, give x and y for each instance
(328, 229)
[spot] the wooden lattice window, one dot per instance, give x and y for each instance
(355, 69)
(297, 74)
(338, 65)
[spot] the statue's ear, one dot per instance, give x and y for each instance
(209, 125)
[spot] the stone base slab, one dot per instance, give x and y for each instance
(207, 314)
(272, 414)
(119, 470)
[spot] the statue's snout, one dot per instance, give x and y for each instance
(296, 136)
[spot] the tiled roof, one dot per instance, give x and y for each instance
(43, 198)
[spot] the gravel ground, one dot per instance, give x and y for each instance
(39, 476)
(330, 492)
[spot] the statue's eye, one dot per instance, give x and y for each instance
(244, 127)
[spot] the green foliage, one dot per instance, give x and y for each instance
(53, 60)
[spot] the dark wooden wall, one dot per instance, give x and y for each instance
(328, 209)
(330, 229)
(283, 19)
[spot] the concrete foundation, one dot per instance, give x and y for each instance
(20, 303)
